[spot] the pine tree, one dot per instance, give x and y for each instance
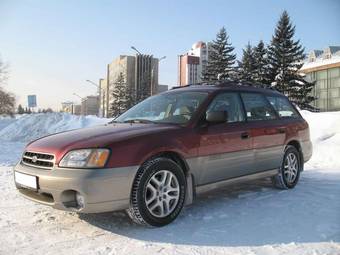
(247, 67)
(261, 62)
(285, 58)
(221, 59)
(131, 99)
(20, 109)
(118, 104)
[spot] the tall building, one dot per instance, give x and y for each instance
(140, 73)
(192, 64)
(323, 66)
(89, 105)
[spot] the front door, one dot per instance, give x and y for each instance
(225, 148)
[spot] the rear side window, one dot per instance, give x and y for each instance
(257, 107)
(283, 106)
(229, 102)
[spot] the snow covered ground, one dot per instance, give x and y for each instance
(251, 218)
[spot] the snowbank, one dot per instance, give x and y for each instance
(32, 126)
(325, 136)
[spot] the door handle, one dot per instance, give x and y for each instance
(245, 135)
(281, 130)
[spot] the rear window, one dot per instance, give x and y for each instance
(283, 107)
(257, 107)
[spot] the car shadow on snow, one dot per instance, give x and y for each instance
(249, 214)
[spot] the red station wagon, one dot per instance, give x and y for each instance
(155, 157)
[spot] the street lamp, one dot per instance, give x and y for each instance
(134, 48)
(93, 83)
(77, 96)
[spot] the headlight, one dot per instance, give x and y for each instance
(85, 158)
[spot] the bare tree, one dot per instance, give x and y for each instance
(7, 100)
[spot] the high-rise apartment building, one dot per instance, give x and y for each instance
(89, 105)
(193, 63)
(140, 73)
(323, 67)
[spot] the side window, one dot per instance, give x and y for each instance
(283, 106)
(257, 107)
(229, 102)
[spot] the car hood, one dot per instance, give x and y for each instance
(93, 137)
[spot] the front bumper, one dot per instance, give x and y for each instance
(102, 189)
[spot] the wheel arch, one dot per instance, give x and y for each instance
(180, 160)
(298, 147)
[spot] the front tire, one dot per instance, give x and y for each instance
(158, 193)
(290, 169)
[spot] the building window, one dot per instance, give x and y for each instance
(321, 75)
(335, 103)
(321, 84)
(334, 72)
(335, 83)
(334, 93)
(323, 93)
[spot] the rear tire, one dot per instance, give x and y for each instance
(158, 193)
(290, 169)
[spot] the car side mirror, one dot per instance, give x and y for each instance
(217, 117)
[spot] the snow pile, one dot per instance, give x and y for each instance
(32, 126)
(325, 136)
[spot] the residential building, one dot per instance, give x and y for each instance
(89, 105)
(323, 67)
(193, 63)
(76, 109)
(140, 73)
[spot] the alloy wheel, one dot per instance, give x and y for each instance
(162, 193)
(291, 167)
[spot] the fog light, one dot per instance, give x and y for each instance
(80, 200)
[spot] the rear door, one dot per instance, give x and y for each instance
(267, 131)
(226, 148)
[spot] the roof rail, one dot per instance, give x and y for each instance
(229, 81)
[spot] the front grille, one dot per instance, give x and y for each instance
(37, 159)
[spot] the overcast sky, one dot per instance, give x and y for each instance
(54, 46)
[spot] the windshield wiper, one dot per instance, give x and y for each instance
(113, 121)
(138, 121)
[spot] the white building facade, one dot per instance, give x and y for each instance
(193, 63)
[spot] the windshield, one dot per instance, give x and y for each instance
(175, 108)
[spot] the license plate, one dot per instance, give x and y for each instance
(26, 180)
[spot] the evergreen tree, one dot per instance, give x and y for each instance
(247, 67)
(130, 97)
(286, 57)
(261, 62)
(20, 109)
(118, 104)
(221, 59)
